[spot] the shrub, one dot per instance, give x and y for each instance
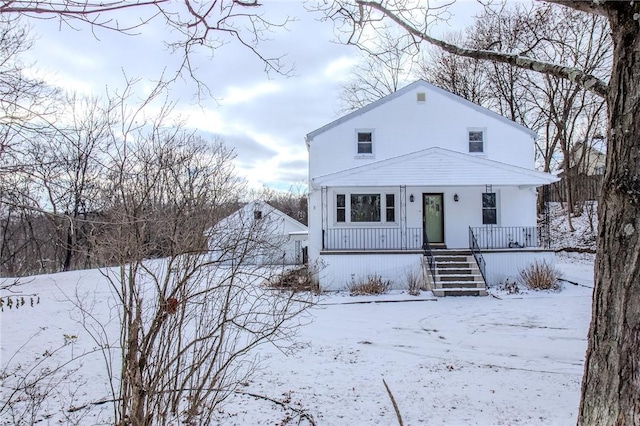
(540, 276)
(414, 283)
(373, 284)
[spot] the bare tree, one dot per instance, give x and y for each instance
(190, 319)
(26, 113)
(194, 27)
(292, 202)
(609, 391)
(379, 72)
(465, 77)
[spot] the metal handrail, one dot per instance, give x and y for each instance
(503, 237)
(373, 238)
(431, 261)
(477, 254)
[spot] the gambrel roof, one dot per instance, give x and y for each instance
(409, 88)
(435, 167)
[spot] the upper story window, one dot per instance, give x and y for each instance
(365, 143)
(476, 141)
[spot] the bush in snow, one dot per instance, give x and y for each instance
(373, 284)
(414, 283)
(540, 276)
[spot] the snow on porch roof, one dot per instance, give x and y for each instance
(435, 167)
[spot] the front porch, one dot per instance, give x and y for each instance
(412, 239)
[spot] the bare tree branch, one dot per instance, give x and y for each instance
(575, 75)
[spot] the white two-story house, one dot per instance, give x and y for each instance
(422, 170)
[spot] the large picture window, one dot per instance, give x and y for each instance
(489, 209)
(365, 208)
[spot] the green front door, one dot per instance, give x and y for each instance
(433, 217)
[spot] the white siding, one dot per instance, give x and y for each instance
(403, 125)
(338, 270)
(502, 265)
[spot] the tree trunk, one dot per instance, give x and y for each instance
(611, 382)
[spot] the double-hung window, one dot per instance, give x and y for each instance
(476, 141)
(391, 207)
(365, 143)
(489, 209)
(341, 208)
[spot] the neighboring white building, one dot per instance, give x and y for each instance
(421, 165)
(259, 234)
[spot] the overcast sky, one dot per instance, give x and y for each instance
(265, 118)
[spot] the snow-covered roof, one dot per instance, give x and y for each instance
(409, 88)
(266, 209)
(435, 167)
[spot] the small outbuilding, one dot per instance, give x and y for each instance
(259, 234)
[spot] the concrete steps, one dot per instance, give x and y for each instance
(456, 274)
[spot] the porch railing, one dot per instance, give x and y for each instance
(373, 239)
(477, 254)
(431, 261)
(499, 237)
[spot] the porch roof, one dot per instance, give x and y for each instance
(435, 167)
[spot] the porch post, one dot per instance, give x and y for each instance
(403, 217)
(324, 208)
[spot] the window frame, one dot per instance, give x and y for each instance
(389, 208)
(385, 207)
(483, 132)
(371, 195)
(341, 208)
(488, 208)
(372, 142)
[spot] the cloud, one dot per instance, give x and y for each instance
(239, 95)
(264, 117)
(249, 151)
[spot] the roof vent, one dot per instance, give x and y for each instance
(421, 97)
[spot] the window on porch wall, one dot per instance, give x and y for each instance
(341, 208)
(489, 209)
(391, 207)
(365, 208)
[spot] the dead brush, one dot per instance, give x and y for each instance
(540, 276)
(371, 285)
(414, 283)
(296, 280)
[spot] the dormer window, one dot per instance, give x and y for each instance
(476, 141)
(365, 143)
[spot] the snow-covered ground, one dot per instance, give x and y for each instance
(503, 359)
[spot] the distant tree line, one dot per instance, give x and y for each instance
(76, 173)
